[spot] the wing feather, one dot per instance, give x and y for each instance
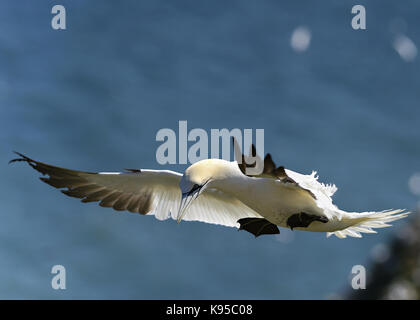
(152, 192)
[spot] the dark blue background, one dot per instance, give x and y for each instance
(92, 97)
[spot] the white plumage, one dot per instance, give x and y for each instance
(218, 192)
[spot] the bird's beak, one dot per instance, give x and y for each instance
(186, 200)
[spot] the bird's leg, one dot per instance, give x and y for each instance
(303, 220)
(258, 226)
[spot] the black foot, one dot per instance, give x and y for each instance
(258, 226)
(302, 220)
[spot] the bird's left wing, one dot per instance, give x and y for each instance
(152, 192)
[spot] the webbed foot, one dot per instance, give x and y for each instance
(258, 226)
(303, 220)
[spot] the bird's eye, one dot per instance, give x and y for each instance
(195, 187)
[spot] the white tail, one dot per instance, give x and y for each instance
(364, 222)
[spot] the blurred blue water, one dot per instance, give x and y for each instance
(92, 97)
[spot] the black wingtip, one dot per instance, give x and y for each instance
(133, 170)
(253, 150)
(22, 158)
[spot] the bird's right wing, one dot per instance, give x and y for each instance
(270, 170)
(306, 184)
(152, 192)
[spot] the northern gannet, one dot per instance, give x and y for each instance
(219, 192)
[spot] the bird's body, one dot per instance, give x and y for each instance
(277, 201)
(217, 191)
(272, 199)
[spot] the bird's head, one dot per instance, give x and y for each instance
(200, 176)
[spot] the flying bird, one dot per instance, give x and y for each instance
(220, 192)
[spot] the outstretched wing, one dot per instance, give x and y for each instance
(152, 192)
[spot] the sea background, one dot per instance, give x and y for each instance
(92, 97)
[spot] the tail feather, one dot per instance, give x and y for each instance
(364, 222)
